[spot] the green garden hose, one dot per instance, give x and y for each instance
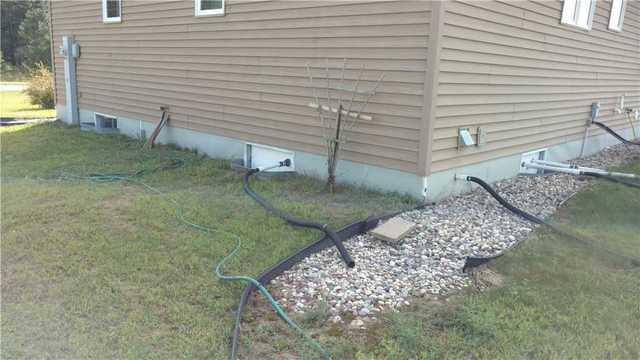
(179, 212)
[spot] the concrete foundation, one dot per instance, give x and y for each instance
(441, 184)
(434, 187)
(313, 165)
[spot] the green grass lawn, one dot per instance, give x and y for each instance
(105, 270)
(15, 104)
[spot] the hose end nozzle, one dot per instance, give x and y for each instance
(461, 177)
(285, 162)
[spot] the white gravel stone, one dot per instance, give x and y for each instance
(356, 324)
(430, 259)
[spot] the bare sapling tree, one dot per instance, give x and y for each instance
(336, 110)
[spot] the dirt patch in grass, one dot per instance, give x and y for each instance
(486, 278)
(118, 201)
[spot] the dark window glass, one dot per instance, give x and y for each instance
(210, 4)
(113, 8)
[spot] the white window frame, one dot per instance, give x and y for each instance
(218, 12)
(108, 20)
(622, 5)
(574, 12)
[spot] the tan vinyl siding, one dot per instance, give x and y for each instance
(242, 75)
(512, 68)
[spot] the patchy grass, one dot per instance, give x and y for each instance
(105, 269)
(15, 104)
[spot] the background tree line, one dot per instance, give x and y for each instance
(25, 36)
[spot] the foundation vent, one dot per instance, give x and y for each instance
(101, 123)
(532, 155)
(262, 156)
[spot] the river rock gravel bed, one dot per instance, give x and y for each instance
(429, 261)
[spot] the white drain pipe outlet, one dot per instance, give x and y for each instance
(531, 165)
(552, 163)
(585, 169)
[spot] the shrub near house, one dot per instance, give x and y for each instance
(40, 87)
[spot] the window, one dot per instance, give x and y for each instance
(578, 13)
(617, 15)
(209, 7)
(111, 10)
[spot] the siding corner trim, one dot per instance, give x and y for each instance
(431, 88)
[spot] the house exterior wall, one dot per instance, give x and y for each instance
(243, 76)
(512, 68)
(509, 67)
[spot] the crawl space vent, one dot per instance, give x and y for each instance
(263, 156)
(533, 155)
(101, 123)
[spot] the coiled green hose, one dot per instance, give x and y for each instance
(179, 212)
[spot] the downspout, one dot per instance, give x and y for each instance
(431, 80)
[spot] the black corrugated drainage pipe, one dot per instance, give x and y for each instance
(347, 232)
(472, 262)
(290, 219)
(611, 178)
(615, 134)
(326, 241)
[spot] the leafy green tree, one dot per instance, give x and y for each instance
(24, 43)
(33, 37)
(12, 13)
